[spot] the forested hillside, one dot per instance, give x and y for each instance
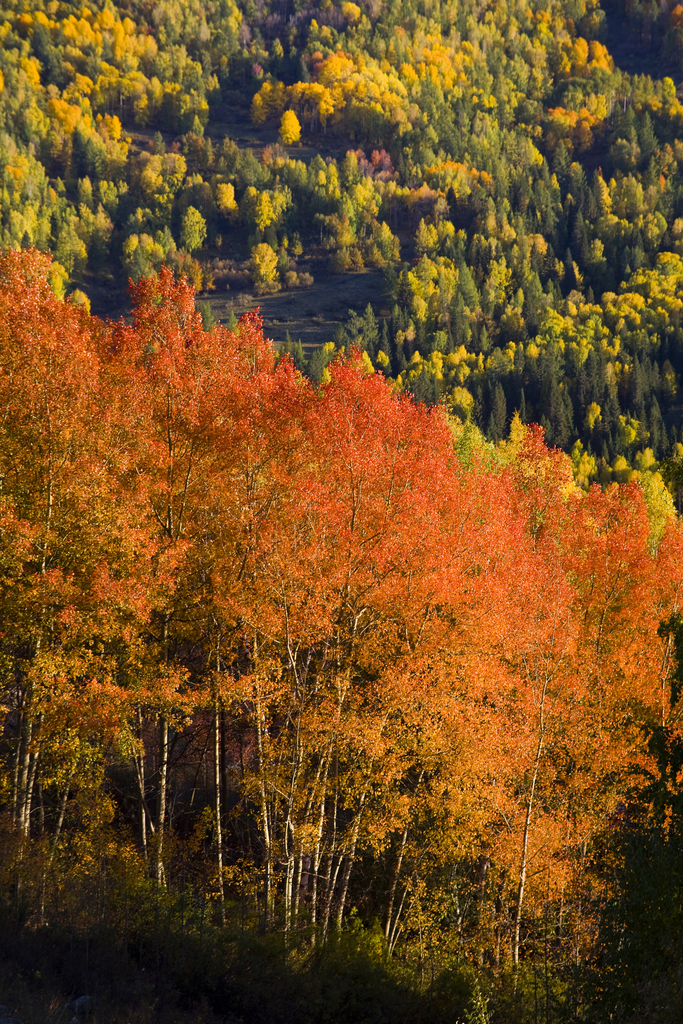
(522, 193)
(341, 684)
(318, 706)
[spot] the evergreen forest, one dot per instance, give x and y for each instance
(341, 682)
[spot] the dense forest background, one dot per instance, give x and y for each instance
(342, 682)
(521, 192)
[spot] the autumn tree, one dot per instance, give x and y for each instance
(290, 129)
(192, 230)
(71, 580)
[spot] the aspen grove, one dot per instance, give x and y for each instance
(304, 661)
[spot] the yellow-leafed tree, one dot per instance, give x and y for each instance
(290, 129)
(263, 266)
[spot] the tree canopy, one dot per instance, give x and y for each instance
(414, 676)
